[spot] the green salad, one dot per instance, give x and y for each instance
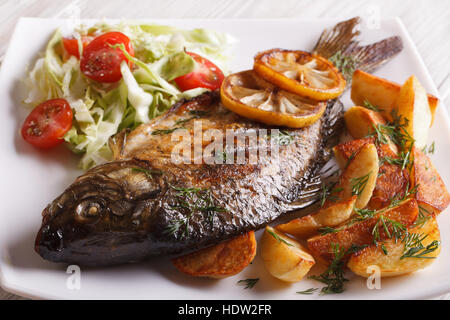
(146, 87)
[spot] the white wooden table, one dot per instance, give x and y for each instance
(428, 22)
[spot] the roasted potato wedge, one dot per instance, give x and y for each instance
(360, 233)
(360, 176)
(360, 122)
(220, 261)
(431, 191)
(413, 105)
(284, 257)
(381, 93)
(392, 179)
(332, 215)
(392, 265)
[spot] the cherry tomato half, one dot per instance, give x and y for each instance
(71, 46)
(101, 62)
(206, 75)
(47, 124)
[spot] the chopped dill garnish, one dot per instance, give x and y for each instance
(148, 172)
(283, 138)
(165, 131)
(413, 242)
(395, 131)
(370, 106)
(198, 113)
(347, 64)
(350, 159)
(384, 249)
(189, 201)
(396, 200)
(328, 192)
(326, 230)
(391, 228)
(363, 214)
(308, 291)
(183, 121)
(359, 184)
(419, 251)
(278, 238)
(248, 283)
(333, 277)
(422, 218)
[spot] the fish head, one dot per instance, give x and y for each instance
(113, 198)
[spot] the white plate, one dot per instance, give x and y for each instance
(30, 179)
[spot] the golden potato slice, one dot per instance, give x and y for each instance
(360, 176)
(284, 257)
(381, 93)
(361, 122)
(220, 261)
(413, 105)
(392, 179)
(360, 233)
(392, 265)
(329, 216)
(431, 191)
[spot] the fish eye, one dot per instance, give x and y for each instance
(88, 210)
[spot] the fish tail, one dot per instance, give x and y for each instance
(341, 46)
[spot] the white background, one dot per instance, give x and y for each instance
(427, 21)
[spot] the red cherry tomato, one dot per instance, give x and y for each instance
(47, 124)
(206, 75)
(71, 46)
(101, 62)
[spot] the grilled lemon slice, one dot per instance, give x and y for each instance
(250, 96)
(300, 72)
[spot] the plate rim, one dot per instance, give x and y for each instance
(14, 288)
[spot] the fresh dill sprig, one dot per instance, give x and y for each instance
(278, 238)
(422, 218)
(198, 113)
(419, 251)
(333, 277)
(370, 106)
(308, 291)
(347, 64)
(248, 283)
(148, 172)
(283, 138)
(328, 192)
(326, 230)
(183, 121)
(350, 159)
(396, 200)
(395, 131)
(191, 200)
(392, 229)
(165, 131)
(363, 214)
(359, 184)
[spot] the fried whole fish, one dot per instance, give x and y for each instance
(143, 204)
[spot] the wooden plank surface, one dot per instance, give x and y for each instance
(428, 22)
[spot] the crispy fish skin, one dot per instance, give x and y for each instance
(141, 205)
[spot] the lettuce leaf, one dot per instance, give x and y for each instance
(143, 93)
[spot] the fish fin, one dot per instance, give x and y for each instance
(325, 174)
(338, 39)
(369, 57)
(117, 143)
(340, 45)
